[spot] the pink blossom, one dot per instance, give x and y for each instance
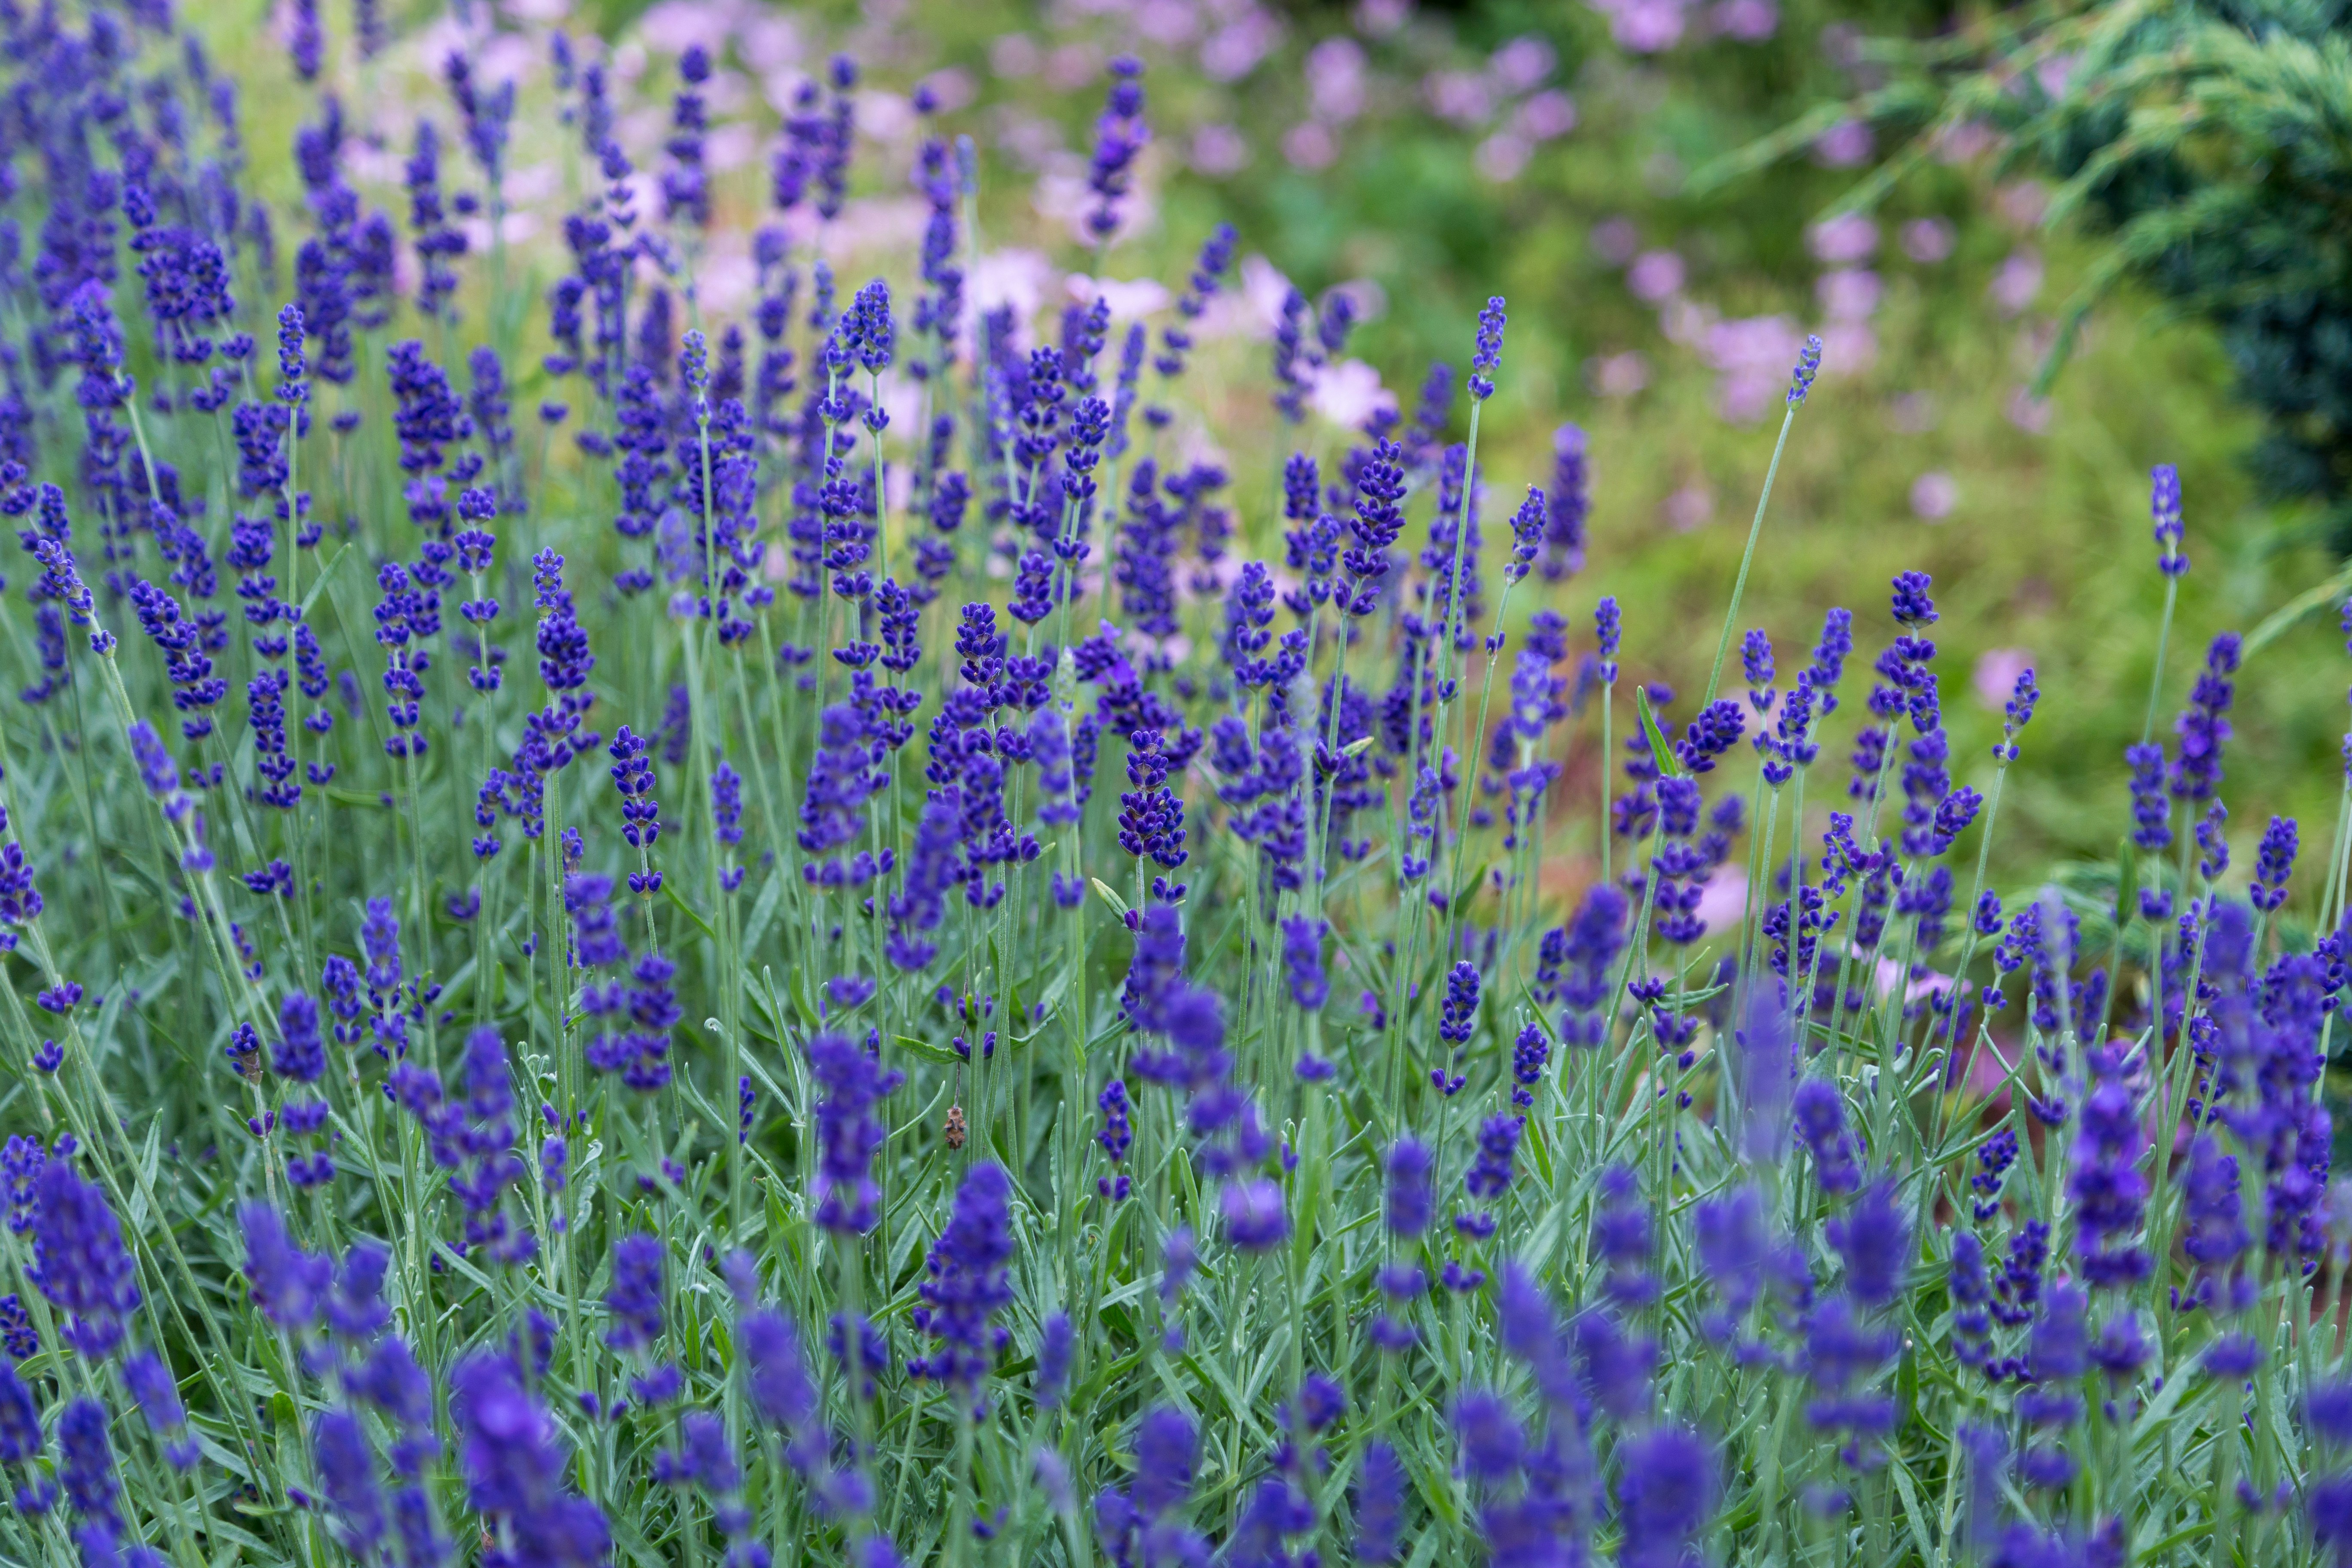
(1218, 151)
(1263, 289)
(731, 145)
(1523, 63)
(1010, 276)
(1234, 50)
(1845, 145)
(1617, 375)
(869, 224)
(1347, 393)
(1842, 240)
(1502, 156)
(1848, 293)
(1130, 299)
(1549, 114)
(1751, 357)
(1688, 507)
(1848, 348)
(2018, 279)
(1655, 275)
(1615, 240)
(1643, 26)
(952, 89)
(1334, 80)
(1933, 496)
(1013, 55)
(1747, 21)
(727, 281)
(2023, 203)
(672, 26)
(1994, 680)
(1310, 146)
(1461, 97)
(1167, 23)
(1073, 66)
(1927, 241)
(769, 42)
(1723, 902)
(2029, 413)
(1379, 18)
(1913, 412)
(1965, 143)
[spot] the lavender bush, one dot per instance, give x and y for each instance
(971, 995)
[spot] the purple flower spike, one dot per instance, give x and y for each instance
(1488, 358)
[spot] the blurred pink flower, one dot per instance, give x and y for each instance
(1011, 276)
(731, 145)
(874, 224)
(1745, 21)
(1379, 18)
(1842, 240)
(2029, 413)
(1072, 65)
(1688, 507)
(1655, 275)
(1234, 50)
(2053, 71)
(2017, 281)
(727, 281)
(1927, 241)
(1013, 55)
(951, 87)
(1617, 375)
(1723, 902)
(769, 42)
(1263, 289)
(1461, 97)
(1615, 240)
(1751, 357)
(1934, 495)
(2022, 203)
(1966, 141)
(1061, 195)
(1844, 144)
(1848, 293)
(1218, 151)
(1643, 26)
(1995, 677)
(1548, 114)
(671, 26)
(1334, 80)
(1502, 157)
(1310, 146)
(1371, 300)
(1913, 412)
(1130, 299)
(1523, 63)
(1347, 393)
(1167, 23)
(1848, 348)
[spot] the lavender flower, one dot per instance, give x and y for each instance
(1488, 359)
(2164, 507)
(2272, 863)
(849, 1133)
(1120, 136)
(1809, 365)
(968, 1283)
(79, 1262)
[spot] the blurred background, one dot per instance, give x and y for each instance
(1595, 163)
